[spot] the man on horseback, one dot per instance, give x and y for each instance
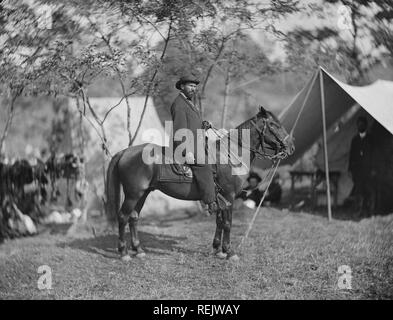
(186, 115)
(129, 169)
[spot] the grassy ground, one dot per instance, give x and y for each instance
(287, 256)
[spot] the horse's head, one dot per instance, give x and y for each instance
(274, 140)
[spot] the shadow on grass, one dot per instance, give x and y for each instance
(348, 211)
(168, 220)
(338, 213)
(106, 245)
(341, 213)
(53, 228)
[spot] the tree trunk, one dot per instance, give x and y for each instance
(8, 123)
(82, 176)
(226, 92)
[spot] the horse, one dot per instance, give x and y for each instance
(128, 169)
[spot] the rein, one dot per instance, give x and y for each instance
(279, 155)
(275, 166)
(258, 154)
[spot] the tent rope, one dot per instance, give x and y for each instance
(260, 202)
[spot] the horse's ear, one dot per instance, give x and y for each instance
(262, 112)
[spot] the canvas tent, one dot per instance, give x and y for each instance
(323, 101)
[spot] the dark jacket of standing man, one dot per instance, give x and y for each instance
(361, 164)
(361, 153)
(186, 115)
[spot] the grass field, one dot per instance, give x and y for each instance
(287, 256)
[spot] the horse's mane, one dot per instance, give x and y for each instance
(247, 124)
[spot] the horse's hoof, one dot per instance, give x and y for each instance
(234, 258)
(140, 255)
(126, 258)
(221, 255)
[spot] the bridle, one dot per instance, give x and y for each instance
(261, 132)
(260, 152)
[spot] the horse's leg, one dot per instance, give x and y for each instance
(217, 248)
(124, 216)
(226, 245)
(218, 233)
(226, 239)
(133, 224)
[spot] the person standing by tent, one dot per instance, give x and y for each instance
(361, 167)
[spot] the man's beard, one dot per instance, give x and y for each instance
(189, 95)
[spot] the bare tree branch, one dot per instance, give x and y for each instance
(152, 80)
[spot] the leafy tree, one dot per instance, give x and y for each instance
(358, 40)
(208, 48)
(25, 48)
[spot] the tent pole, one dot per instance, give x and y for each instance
(329, 204)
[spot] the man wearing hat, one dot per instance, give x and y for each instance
(362, 167)
(186, 115)
(251, 192)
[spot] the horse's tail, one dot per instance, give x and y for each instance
(112, 189)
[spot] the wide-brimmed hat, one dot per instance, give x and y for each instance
(186, 79)
(255, 176)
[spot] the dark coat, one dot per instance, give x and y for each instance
(361, 156)
(185, 116)
(255, 195)
(274, 194)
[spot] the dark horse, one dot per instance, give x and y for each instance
(138, 179)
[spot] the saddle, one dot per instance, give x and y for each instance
(174, 172)
(181, 173)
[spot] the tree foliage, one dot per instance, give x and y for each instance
(360, 38)
(127, 41)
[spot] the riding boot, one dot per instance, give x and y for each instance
(213, 207)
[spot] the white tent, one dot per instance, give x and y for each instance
(116, 122)
(323, 101)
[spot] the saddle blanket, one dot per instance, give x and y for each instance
(174, 173)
